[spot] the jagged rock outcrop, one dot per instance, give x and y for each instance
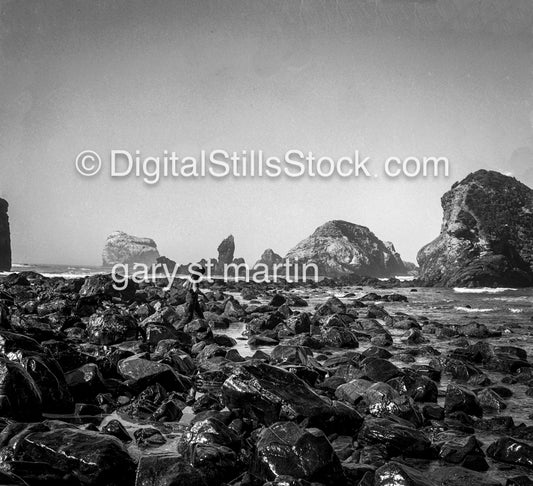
(166, 262)
(5, 237)
(123, 248)
(269, 258)
(341, 248)
(486, 237)
(226, 250)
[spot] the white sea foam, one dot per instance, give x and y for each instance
(473, 309)
(482, 290)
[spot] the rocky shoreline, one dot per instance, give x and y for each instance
(99, 388)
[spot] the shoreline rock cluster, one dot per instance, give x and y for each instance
(95, 381)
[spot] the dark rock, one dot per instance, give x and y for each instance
(98, 287)
(149, 437)
(111, 327)
(460, 476)
(464, 451)
(145, 373)
(285, 449)
(486, 237)
(490, 400)
(116, 429)
(90, 457)
(396, 474)
(511, 451)
(396, 438)
(167, 470)
(85, 383)
(226, 251)
(378, 369)
(337, 337)
(270, 394)
(5, 238)
(459, 399)
(20, 398)
(48, 376)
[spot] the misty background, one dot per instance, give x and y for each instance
(450, 78)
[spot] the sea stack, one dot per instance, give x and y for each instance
(5, 237)
(486, 238)
(341, 248)
(121, 248)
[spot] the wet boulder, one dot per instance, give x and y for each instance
(511, 451)
(85, 383)
(92, 458)
(381, 400)
(460, 476)
(419, 387)
(167, 470)
(11, 342)
(285, 449)
(288, 354)
(353, 391)
(396, 474)
(148, 437)
(475, 330)
(143, 372)
(299, 323)
(378, 369)
(270, 394)
(49, 378)
(116, 429)
(397, 439)
(111, 327)
(464, 451)
(490, 400)
(103, 287)
(338, 337)
(460, 399)
(20, 398)
(208, 431)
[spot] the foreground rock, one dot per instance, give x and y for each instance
(339, 391)
(5, 237)
(340, 248)
(486, 237)
(128, 250)
(66, 455)
(285, 449)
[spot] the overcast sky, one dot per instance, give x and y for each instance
(386, 77)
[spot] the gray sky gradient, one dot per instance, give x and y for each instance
(447, 77)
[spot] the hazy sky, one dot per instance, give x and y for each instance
(386, 77)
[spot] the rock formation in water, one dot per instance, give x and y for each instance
(486, 237)
(269, 258)
(126, 249)
(226, 250)
(342, 248)
(5, 238)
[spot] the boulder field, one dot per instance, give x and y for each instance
(99, 387)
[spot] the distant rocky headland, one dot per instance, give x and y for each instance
(5, 237)
(126, 249)
(342, 248)
(337, 248)
(486, 237)
(486, 240)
